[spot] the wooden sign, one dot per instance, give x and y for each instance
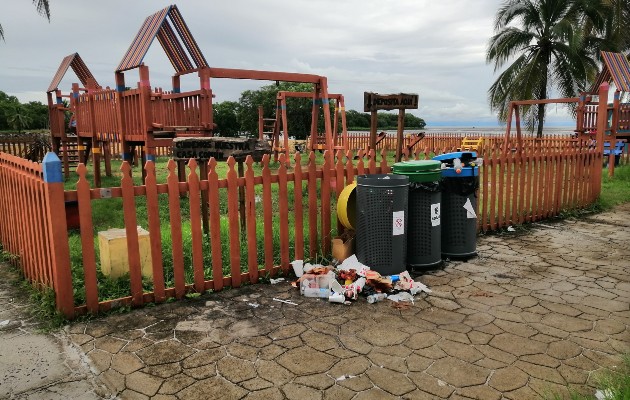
(374, 101)
(219, 148)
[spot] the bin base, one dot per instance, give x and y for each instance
(425, 267)
(459, 256)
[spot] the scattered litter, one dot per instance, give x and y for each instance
(298, 267)
(336, 287)
(316, 285)
(511, 229)
(402, 296)
(4, 323)
(606, 394)
(344, 377)
(274, 281)
(352, 263)
(441, 382)
(342, 283)
(285, 301)
(374, 298)
(544, 226)
(337, 298)
(255, 305)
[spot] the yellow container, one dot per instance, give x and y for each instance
(114, 255)
(346, 206)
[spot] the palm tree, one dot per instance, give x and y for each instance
(548, 50)
(43, 9)
(615, 36)
(18, 119)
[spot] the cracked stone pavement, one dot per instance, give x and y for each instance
(35, 365)
(535, 313)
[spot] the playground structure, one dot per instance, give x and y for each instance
(64, 141)
(148, 118)
(470, 144)
(276, 127)
(590, 129)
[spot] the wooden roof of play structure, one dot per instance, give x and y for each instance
(616, 69)
(171, 31)
(75, 62)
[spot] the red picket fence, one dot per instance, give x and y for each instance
(23, 219)
(33, 227)
(289, 214)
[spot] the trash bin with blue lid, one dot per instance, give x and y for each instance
(460, 182)
(381, 213)
(424, 242)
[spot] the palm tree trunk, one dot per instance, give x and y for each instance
(541, 107)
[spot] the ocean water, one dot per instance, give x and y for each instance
(476, 131)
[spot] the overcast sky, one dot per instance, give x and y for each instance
(433, 48)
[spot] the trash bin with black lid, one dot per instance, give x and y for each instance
(424, 241)
(460, 182)
(381, 212)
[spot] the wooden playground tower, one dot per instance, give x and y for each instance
(65, 142)
(278, 126)
(146, 118)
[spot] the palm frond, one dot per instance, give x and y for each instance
(506, 44)
(510, 10)
(43, 8)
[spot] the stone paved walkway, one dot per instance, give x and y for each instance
(34, 365)
(535, 312)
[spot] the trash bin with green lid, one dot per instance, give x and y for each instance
(460, 181)
(381, 213)
(424, 241)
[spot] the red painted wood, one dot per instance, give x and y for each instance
(215, 225)
(133, 247)
(284, 213)
(175, 220)
(233, 217)
(155, 232)
(267, 214)
(325, 202)
(194, 201)
(312, 206)
(298, 208)
(250, 212)
(87, 240)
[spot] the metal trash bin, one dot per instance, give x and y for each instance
(381, 232)
(424, 231)
(460, 182)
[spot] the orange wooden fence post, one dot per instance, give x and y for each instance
(58, 234)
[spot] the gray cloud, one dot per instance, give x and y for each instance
(433, 48)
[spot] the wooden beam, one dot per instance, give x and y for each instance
(230, 73)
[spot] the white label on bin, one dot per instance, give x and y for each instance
(435, 214)
(470, 211)
(399, 223)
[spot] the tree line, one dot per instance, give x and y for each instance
(236, 118)
(18, 116)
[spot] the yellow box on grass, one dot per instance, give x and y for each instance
(114, 254)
